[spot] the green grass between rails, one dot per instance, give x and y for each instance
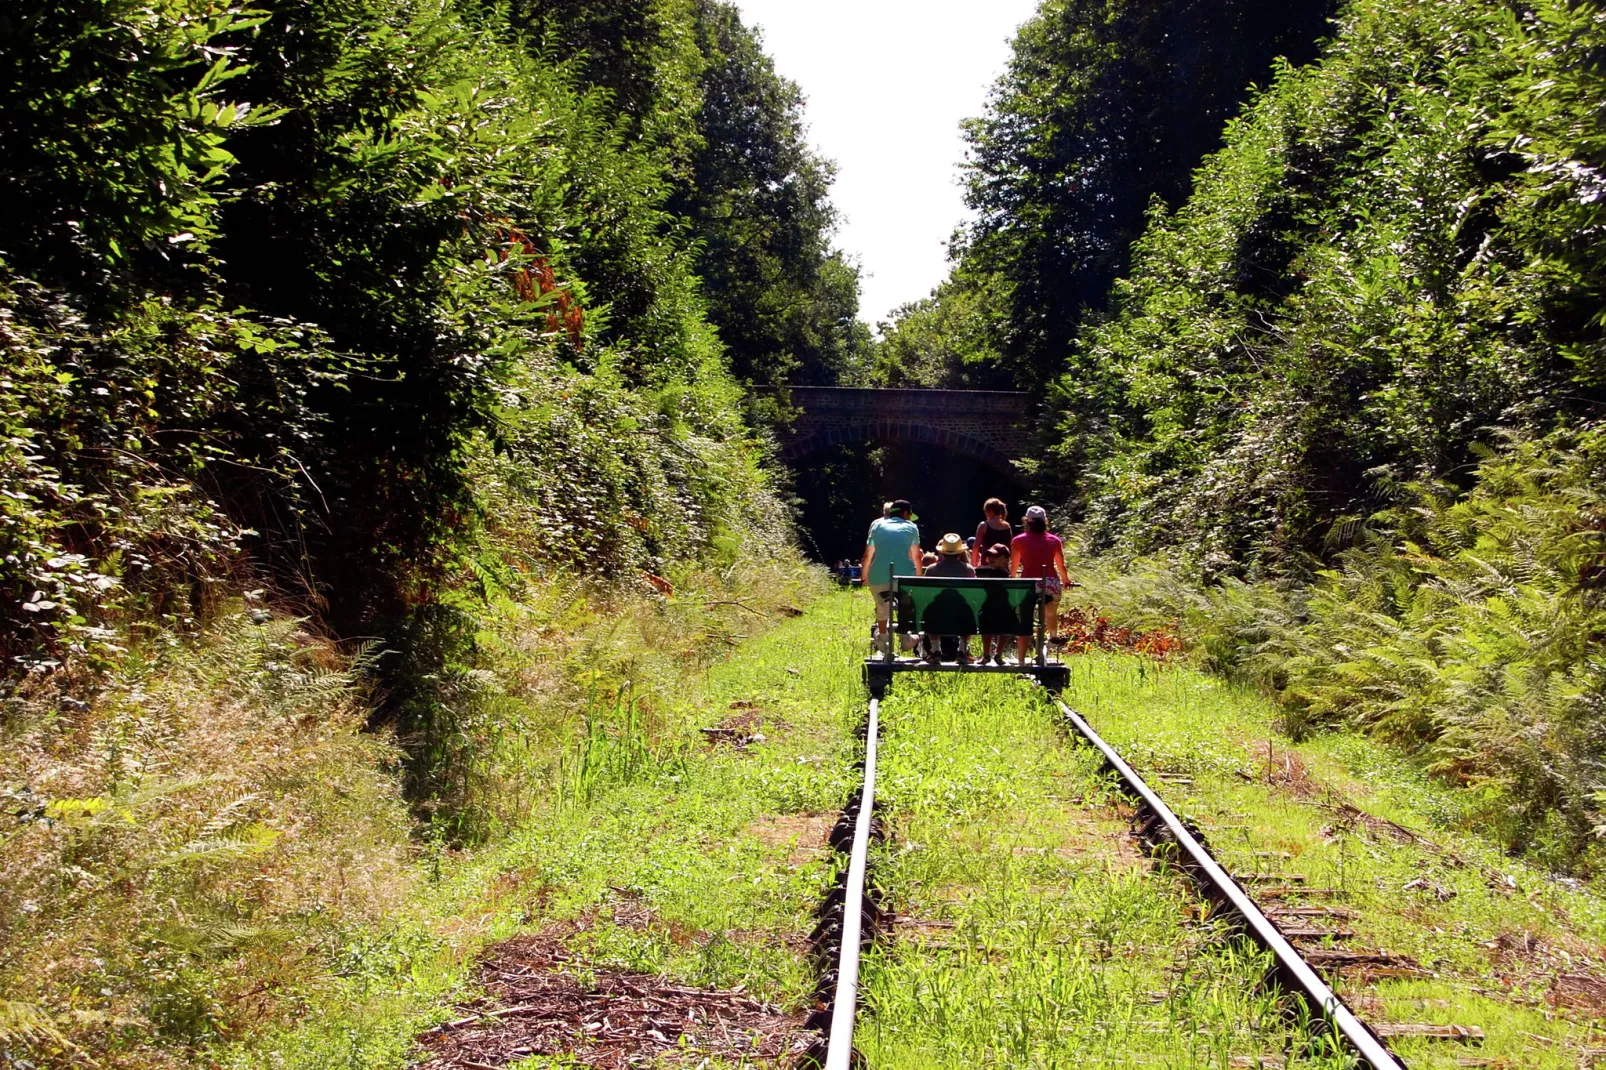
(1034, 935)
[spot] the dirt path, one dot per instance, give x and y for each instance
(540, 1001)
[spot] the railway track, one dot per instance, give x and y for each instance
(1168, 835)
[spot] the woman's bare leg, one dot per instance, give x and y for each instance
(1051, 617)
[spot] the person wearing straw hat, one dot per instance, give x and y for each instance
(952, 560)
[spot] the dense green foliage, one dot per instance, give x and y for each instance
(1472, 629)
(372, 468)
(282, 279)
(1372, 339)
(1105, 105)
(946, 341)
(785, 303)
(1353, 344)
(401, 311)
(1463, 627)
(1390, 260)
(695, 85)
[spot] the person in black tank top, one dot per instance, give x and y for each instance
(993, 529)
(994, 565)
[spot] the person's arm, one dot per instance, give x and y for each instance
(1014, 560)
(864, 565)
(1059, 563)
(914, 559)
(975, 547)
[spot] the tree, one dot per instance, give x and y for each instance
(945, 341)
(643, 53)
(756, 200)
(746, 196)
(1381, 277)
(1105, 106)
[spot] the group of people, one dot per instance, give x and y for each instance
(996, 550)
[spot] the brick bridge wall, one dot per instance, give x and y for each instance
(991, 425)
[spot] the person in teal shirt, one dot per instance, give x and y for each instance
(892, 549)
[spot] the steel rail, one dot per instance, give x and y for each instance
(1293, 966)
(844, 1002)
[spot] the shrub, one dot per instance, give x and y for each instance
(184, 851)
(1469, 629)
(128, 454)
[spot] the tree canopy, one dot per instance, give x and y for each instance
(1105, 106)
(1383, 273)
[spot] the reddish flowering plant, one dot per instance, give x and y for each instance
(1084, 629)
(536, 280)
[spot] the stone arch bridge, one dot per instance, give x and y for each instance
(990, 425)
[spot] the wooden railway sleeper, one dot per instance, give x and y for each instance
(1215, 881)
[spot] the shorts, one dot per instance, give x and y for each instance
(1051, 588)
(882, 593)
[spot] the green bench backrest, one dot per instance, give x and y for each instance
(955, 606)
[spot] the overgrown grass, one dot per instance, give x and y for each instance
(280, 908)
(274, 912)
(1506, 947)
(1034, 935)
(670, 855)
(517, 680)
(190, 850)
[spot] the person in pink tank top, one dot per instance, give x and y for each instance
(1037, 555)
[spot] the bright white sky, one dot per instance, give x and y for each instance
(887, 83)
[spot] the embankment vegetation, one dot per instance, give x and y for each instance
(1364, 847)
(372, 437)
(1335, 401)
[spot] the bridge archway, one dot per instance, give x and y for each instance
(945, 450)
(798, 448)
(988, 425)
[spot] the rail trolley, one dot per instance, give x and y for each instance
(952, 605)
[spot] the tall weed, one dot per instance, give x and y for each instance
(563, 687)
(185, 847)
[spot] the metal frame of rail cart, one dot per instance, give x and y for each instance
(944, 605)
